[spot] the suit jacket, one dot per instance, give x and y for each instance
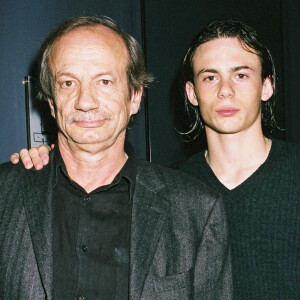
(179, 246)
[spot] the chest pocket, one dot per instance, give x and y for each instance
(178, 286)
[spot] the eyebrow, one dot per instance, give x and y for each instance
(234, 69)
(241, 68)
(69, 74)
(207, 71)
(60, 74)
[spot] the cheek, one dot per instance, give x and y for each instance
(64, 112)
(115, 90)
(66, 101)
(206, 104)
(205, 112)
(61, 93)
(206, 95)
(124, 109)
(114, 100)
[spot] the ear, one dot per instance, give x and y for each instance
(190, 92)
(52, 109)
(267, 89)
(135, 101)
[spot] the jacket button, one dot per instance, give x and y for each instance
(84, 249)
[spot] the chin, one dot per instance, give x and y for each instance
(89, 139)
(225, 129)
(229, 130)
(229, 127)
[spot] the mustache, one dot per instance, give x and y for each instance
(88, 116)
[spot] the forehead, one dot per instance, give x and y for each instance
(89, 42)
(222, 52)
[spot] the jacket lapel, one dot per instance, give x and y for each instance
(148, 217)
(37, 187)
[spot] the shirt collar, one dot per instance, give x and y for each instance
(128, 171)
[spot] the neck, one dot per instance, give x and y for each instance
(235, 157)
(92, 166)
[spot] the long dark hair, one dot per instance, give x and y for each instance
(250, 42)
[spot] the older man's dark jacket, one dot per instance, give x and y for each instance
(179, 244)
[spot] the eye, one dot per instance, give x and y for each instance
(68, 83)
(241, 76)
(209, 78)
(105, 81)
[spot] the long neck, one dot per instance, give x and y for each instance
(234, 157)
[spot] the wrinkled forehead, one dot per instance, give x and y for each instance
(90, 38)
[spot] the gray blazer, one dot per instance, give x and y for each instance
(179, 244)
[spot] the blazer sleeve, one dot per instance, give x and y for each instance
(212, 277)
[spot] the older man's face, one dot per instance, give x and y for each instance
(92, 100)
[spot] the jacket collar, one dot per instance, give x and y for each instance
(37, 187)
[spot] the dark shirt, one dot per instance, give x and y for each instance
(91, 236)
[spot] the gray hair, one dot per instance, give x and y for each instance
(137, 75)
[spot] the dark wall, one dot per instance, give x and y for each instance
(291, 54)
(23, 25)
(170, 26)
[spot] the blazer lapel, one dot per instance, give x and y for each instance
(37, 187)
(148, 217)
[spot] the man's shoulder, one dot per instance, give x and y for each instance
(186, 199)
(196, 159)
(151, 170)
(174, 182)
(195, 166)
(286, 153)
(12, 172)
(285, 145)
(8, 168)
(11, 178)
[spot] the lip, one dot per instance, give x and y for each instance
(90, 124)
(227, 111)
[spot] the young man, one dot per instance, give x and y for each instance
(229, 80)
(95, 223)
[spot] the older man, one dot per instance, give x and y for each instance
(95, 223)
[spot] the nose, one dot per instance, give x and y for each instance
(226, 89)
(86, 99)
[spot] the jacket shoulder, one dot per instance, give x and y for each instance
(176, 184)
(7, 170)
(188, 202)
(12, 173)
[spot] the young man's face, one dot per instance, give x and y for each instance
(227, 86)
